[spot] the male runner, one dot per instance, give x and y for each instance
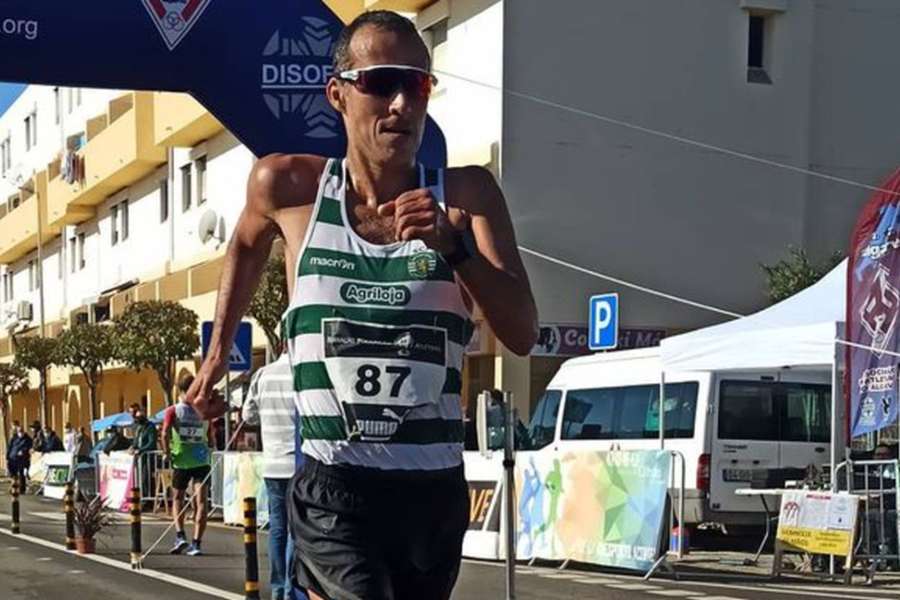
(385, 258)
(186, 440)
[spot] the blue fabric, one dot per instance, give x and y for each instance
(281, 547)
(122, 419)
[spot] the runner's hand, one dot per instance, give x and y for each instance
(417, 216)
(207, 401)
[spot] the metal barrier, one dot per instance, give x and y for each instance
(669, 523)
(147, 465)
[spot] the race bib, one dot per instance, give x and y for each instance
(381, 373)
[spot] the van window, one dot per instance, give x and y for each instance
(629, 412)
(773, 411)
(542, 427)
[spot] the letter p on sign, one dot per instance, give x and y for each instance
(603, 322)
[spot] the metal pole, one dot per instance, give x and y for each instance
(835, 434)
(509, 464)
(227, 415)
(14, 527)
(251, 561)
(662, 410)
(136, 551)
(69, 509)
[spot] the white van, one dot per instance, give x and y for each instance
(724, 424)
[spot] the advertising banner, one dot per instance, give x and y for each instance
(116, 479)
(572, 340)
(260, 67)
(817, 522)
(242, 478)
(484, 476)
(605, 508)
(873, 312)
(59, 467)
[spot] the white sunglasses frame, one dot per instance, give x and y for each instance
(353, 74)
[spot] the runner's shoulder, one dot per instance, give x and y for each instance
(285, 180)
(470, 187)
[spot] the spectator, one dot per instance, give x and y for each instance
(144, 441)
(113, 441)
(18, 457)
(69, 436)
(270, 403)
(52, 442)
(37, 437)
(83, 445)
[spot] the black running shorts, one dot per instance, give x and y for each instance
(181, 477)
(368, 534)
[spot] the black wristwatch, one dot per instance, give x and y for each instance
(461, 250)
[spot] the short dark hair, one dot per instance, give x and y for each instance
(384, 20)
(184, 384)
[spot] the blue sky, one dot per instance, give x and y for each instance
(8, 93)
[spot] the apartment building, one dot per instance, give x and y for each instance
(550, 101)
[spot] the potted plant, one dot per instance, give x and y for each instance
(90, 518)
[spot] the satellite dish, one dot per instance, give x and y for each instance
(210, 226)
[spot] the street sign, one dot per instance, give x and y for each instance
(241, 351)
(603, 322)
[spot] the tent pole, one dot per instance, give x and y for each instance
(662, 409)
(835, 422)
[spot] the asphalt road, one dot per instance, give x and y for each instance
(34, 566)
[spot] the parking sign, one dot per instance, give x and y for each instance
(603, 322)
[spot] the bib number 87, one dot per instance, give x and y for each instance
(368, 382)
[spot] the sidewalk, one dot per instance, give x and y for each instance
(221, 566)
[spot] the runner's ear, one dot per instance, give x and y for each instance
(335, 95)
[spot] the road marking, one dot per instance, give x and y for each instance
(76, 572)
(123, 566)
(595, 581)
(43, 559)
(721, 598)
(11, 548)
(677, 593)
(50, 516)
(5, 517)
(637, 587)
(560, 575)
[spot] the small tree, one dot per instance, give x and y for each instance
(270, 301)
(13, 380)
(155, 335)
(38, 353)
(87, 347)
(795, 273)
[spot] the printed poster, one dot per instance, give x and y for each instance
(818, 522)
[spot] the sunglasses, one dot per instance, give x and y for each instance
(384, 80)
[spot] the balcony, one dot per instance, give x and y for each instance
(346, 10)
(179, 120)
(20, 225)
(120, 150)
(409, 6)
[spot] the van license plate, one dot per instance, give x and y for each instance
(744, 475)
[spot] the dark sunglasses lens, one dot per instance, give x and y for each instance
(386, 82)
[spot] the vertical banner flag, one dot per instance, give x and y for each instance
(260, 67)
(873, 301)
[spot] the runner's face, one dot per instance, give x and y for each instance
(388, 130)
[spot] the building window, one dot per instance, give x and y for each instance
(60, 261)
(163, 200)
(57, 104)
(71, 95)
(73, 258)
(201, 180)
(185, 188)
(114, 225)
(81, 261)
(5, 154)
(31, 276)
(5, 287)
(77, 96)
(759, 29)
(31, 131)
(123, 211)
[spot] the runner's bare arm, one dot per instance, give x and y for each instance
(495, 276)
(273, 181)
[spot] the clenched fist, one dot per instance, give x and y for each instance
(417, 216)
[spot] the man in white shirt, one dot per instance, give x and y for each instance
(69, 436)
(270, 403)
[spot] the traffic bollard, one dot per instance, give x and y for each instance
(251, 561)
(14, 528)
(135, 501)
(69, 509)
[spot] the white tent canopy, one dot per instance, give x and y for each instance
(797, 332)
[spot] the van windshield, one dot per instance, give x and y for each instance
(542, 427)
(629, 412)
(774, 411)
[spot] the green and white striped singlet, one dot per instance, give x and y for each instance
(376, 336)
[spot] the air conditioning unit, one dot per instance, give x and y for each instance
(24, 311)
